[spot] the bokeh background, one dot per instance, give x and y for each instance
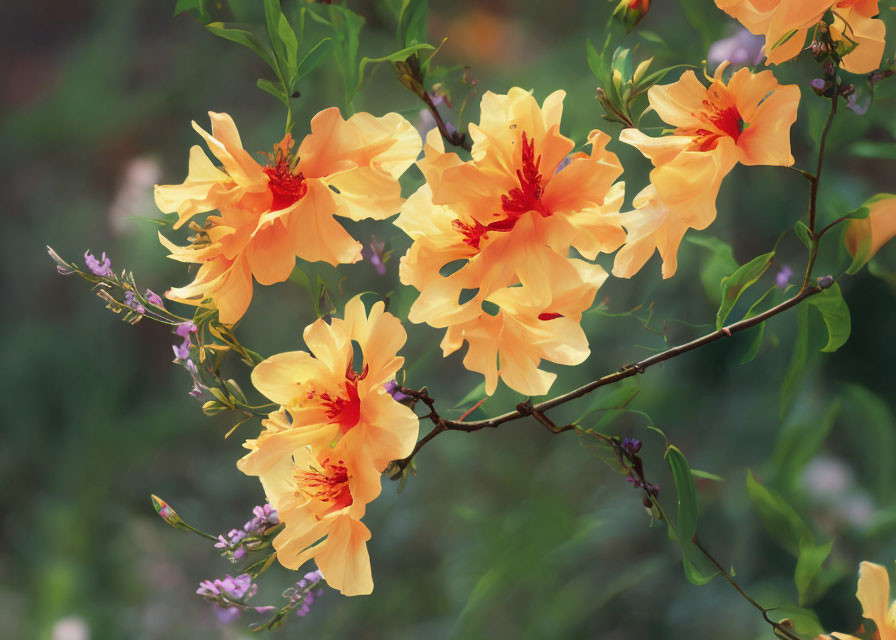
(507, 533)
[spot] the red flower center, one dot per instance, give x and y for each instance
(721, 114)
(345, 410)
(517, 202)
(285, 186)
(329, 484)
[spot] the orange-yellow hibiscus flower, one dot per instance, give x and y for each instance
(746, 120)
(868, 235)
(855, 24)
(785, 24)
(271, 214)
(874, 595)
(320, 498)
(331, 398)
(512, 343)
(492, 238)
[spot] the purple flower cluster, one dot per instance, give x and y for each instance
(182, 355)
(306, 592)
(229, 595)
(782, 279)
(231, 544)
(130, 299)
(632, 445)
(98, 268)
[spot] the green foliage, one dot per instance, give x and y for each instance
(346, 34)
(685, 528)
(835, 313)
(721, 262)
(739, 281)
(413, 23)
(780, 520)
(793, 376)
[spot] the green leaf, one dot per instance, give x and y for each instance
(283, 39)
(313, 58)
(189, 5)
(413, 25)
(720, 263)
(739, 281)
(274, 89)
(346, 31)
(705, 475)
(875, 436)
(803, 233)
(808, 566)
(780, 520)
(797, 365)
(758, 334)
(869, 149)
(398, 56)
(596, 64)
(695, 564)
(833, 309)
(245, 38)
(686, 490)
(798, 442)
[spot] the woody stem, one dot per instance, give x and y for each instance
(538, 410)
(456, 138)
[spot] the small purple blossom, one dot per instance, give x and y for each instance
(154, 299)
(632, 445)
(98, 268)
(265, 517)
(783, 277)
(305, 592)
(818, 84)
(228, 594)
(184, 329)
(182, 351)
(855, 107)
(375, 253)
(740, 50)
(394, 390)
(130, 299)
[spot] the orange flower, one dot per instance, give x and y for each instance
(511, 343)
(746, 120)
(874, 595)
(865, 237)
(317, 496)
(855, 25)
(508, 218)
(785, 24)
(271, 214)
(320, 455)
(330, 399)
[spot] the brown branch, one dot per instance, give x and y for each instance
(455, 138)
(813, 194)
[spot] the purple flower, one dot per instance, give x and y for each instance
(632, 445)
(154, 299)
(99, 269)
(818, 84)
(740, 50)
(783, 277)
(185, 329)
(182, 352)
(394, 390)
(130, 299)
(855, 107)
(375, 253)
(228, 594)
(265, 516)
(306, 592)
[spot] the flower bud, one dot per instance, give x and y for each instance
(631, 12)
(168, 514)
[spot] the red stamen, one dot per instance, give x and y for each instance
(285, 186)
(549, 315)
(328, 485)
(516, 203)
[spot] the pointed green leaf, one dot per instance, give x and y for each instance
(313, 58)
(413, 25)
(803, 233)
(739, 281)
(245, 38)
(398, 56)
(833, 309)
(808, 566)
(779, 519)
(275, 90)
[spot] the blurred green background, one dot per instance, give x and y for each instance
(507, 533)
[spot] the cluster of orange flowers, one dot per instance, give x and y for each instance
(785, 24)
(492, 254)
